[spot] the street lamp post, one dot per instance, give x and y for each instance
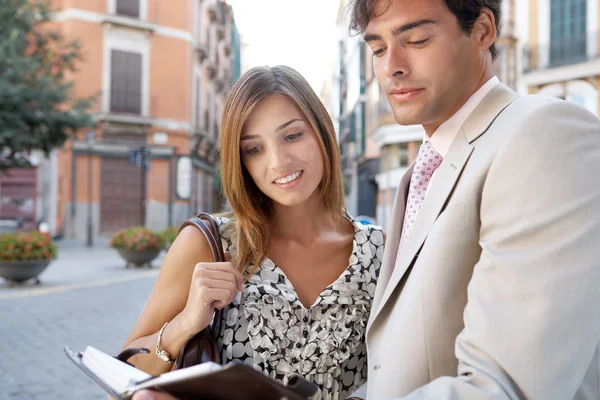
(90, 143)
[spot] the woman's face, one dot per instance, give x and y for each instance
(281, 151)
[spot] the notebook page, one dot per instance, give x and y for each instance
(116, 374)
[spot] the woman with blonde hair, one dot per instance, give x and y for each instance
(298, 287)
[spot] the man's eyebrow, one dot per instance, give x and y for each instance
(279, 128)
(401, 29)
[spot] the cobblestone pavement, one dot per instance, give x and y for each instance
(86, 297)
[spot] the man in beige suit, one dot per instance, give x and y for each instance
(490, 283)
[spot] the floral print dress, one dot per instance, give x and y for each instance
(268, 327)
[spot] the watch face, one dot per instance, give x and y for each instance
(164, 356)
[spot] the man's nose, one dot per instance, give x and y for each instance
(395, 62)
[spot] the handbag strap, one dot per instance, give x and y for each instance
(207, 224)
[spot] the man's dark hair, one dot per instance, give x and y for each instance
(466, 12)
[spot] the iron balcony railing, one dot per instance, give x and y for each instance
(561, 52)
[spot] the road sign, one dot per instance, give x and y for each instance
(140, 157)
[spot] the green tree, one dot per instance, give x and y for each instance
(38, 108)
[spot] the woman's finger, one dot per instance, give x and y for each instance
(210, 295)
(223, 267)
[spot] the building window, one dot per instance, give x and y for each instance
(568, 31)
(128, 8)
(198, 103)
(126, 82)
(395, 156)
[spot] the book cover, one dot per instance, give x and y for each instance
(207, 381)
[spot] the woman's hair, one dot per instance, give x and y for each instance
(251, 209)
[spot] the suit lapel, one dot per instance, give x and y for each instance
(446, 177)
(393, 235)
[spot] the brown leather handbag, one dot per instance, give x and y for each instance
(202, 347)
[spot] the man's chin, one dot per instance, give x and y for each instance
(406, 120)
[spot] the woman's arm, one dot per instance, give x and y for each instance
(185, 294)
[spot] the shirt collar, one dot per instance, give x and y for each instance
(444, 135)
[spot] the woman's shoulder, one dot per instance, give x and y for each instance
(364, 232)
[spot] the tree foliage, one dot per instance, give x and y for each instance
(38, 107)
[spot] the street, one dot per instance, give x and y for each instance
(86, 297)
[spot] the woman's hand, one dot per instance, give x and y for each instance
(214, 285)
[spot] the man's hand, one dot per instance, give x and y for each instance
(152, 395)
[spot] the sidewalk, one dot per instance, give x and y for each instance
(78, 265)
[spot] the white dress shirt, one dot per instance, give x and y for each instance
(444, 135)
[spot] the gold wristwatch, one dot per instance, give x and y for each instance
(162, 353)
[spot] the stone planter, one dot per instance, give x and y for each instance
(21, 271)
(138, 258)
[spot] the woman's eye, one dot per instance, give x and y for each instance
(293, 137)
(253, 150)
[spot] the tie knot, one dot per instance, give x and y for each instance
(427, 160)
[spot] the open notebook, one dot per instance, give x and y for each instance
(208, 381)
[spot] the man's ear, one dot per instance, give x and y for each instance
(484, 29)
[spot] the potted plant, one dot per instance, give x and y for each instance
(24, 255)
(137, 245)
(169, 235)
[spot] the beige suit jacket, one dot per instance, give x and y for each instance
(496, 294)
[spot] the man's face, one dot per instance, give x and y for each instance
(425, 63)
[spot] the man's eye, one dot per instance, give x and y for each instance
(378, 52)
(418, 42)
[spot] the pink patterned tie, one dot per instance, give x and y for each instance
(427, 161)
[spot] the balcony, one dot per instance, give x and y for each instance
(220, 32)
(222, 10)
(125, 106)
(204, 146)
(559, 53)
(201, 50)
(220, 84)
(211, 69)
(211, 10)
(227, 49)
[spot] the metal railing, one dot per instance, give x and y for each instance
(557, 53)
